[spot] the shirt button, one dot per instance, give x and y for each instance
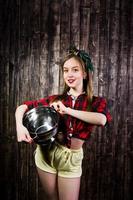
(70, 135)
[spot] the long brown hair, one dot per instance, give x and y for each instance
(87, 82)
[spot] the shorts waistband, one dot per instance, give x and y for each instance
(68, 149)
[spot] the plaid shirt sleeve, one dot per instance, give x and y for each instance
(82, 129)
(41, 102)
(100, 105)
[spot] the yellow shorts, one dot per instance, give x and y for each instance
(60, 160)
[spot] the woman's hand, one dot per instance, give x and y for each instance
(59, 107)
(23, 134)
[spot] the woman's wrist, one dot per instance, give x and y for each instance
(68, 110)
(19, 125)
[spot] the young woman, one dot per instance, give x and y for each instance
(80, 112)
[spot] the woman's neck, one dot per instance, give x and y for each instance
(75, 93)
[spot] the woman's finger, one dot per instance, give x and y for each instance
(55, 105)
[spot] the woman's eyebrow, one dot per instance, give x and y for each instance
(76, 66)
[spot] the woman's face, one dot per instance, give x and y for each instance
(73, 74)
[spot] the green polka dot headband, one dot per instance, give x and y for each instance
(84, 56)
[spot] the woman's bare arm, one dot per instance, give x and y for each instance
(22, 132)
(89, 117)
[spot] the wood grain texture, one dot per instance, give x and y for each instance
(34, 36)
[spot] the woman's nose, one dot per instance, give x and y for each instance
(70, 73)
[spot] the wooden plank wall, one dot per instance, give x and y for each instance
(34, 36)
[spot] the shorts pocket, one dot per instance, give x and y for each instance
(76, 158)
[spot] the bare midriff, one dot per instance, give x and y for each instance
(76, 143)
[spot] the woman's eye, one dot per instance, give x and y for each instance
(75, 70)
(65, 70)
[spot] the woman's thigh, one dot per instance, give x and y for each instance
(49, 184)
(68, 188)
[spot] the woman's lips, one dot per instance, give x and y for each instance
(71, 81)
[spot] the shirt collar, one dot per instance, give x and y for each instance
(75, 97)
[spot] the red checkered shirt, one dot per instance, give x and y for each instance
(78, 129)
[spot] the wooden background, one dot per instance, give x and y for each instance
(34, 35)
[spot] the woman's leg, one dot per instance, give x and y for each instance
(49, 184)
(68, 188)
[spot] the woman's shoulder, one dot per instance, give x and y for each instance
(98, 99)
(53, 96)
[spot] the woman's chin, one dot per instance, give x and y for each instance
(71, 85)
